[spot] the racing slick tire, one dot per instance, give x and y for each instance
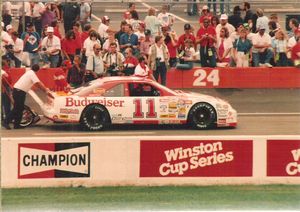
(27, 118)
(94, 117)
(203, 116)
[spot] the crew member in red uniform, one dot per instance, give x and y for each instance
(60, 76)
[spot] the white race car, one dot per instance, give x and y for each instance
(137, 100)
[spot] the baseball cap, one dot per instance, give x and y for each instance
(106, 18)
(29, 24)
(223, 17)
(246, 25)
(50, 29)
(205, 7)
(8, 27)
(147, 32)
(187, 27)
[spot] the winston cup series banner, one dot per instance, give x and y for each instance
(205, 158)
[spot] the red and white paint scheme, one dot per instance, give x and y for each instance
(137, 100)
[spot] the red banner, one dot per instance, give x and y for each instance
(283, 158)
(277, 77)
(186, 158)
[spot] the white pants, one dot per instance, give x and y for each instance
(242, 60)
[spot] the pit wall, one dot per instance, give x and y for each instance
(149, 160)
(276, 77)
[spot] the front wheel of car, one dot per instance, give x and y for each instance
(94, 117)
(203, 116)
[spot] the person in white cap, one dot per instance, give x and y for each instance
(16, 51)
(5, 38)
(262, 52)
(204, 15)
(9, 29)
(262, 20)
(51, 48)
(104, 28)
(224, 23)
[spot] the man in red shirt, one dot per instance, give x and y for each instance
(187, 35)
(205, 14)
(296, 49)
(206, 37)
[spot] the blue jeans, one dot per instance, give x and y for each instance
(34, 58)
(262, 57)
(52, 59)
(162, 71)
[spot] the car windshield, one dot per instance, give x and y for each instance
(161, 87)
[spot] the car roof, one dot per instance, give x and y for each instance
(125, 79)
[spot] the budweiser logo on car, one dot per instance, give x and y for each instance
(196, 158)
(53, 160)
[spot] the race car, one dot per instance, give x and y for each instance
(137, 100)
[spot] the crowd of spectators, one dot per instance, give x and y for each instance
(245, 38)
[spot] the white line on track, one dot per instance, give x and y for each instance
(93, 134)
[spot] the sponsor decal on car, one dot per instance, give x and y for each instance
(71, 102)
(69, 111)
(53, 160)
(283, 158)
(186, 158)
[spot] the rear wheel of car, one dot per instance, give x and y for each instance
(27, 117)
(94, 117)
(203, 116)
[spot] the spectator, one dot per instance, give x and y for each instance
(236, 18)
(54, 8)
(293, 24)
(214, 21)
(51, 49)
(242, 50)
(113, 61)
(31, 44)
(37, 9)
(130, 62)
(165, 18)
(9, 30)
(261, 52)
(25, 10)
(21, 87)
(249, 15)
(88, 45)
(170, 40)
(111, 39)
(146, 43)
(141, 31)
(224, 23)
(133, 11)
(76, 73)
(48, 16)
(280, 49)
(235, 35)
(70, 14)
(262, 20)
(249, 33)
(189, 55)
(67, 46)
(76, 27)
(16, 51)
(274, 18)
(296, 50)
(224, 46)
(152, 22)
(5, 39)
(142, 70)
(59, 77)
(158, 59)
(6, 13)
(94, 65)
(55, 26)
(272, 28)
(85, 13)
(104, 28)
(291, 43)
(187, 35)
(129, 40)
(204, 15)
(206, 36)
(85, 33)
(128, 18)
(121, 31)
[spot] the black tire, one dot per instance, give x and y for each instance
(94, 117)
(27, 118)
(203, 116)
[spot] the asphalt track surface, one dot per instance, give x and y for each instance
(260, 112)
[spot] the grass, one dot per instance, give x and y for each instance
(245, 197)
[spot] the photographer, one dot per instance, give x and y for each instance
(113, 61)
(51, 49)
(15, 49)
(94, 65)
(170, 40)
(158, 59)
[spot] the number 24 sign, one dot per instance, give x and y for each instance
(203, 77)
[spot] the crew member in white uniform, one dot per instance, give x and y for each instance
(21, 87)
